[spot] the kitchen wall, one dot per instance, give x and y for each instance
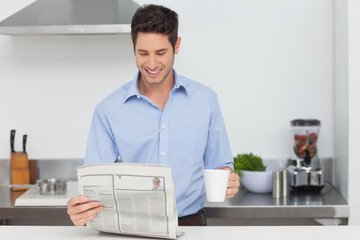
(269, 62)
(347, 98)
(353, 9)
(341, 97)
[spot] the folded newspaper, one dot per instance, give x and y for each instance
(138, 199)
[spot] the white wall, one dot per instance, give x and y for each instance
(270, 61)
(354, 110)
(341, 97)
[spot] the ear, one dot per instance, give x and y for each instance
(134, 47)
(177, 45)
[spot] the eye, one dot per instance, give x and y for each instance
(142, 54)
(161, 52)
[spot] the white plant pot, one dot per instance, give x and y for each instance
(257, 181)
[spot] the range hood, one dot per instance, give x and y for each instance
(71, 17)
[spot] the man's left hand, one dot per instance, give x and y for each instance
(233, 184)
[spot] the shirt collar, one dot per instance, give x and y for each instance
(180, 84)
(133, 90)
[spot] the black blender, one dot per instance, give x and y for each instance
(305, 173)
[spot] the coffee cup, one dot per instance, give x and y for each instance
(216, 181)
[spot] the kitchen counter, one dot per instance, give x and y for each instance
(9, 214)
(327, 208)
(190, 233)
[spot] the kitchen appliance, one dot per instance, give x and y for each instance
(47, 17)
(304, 170)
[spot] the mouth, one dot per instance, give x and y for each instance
(153, 73)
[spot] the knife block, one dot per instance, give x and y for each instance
(19, 170)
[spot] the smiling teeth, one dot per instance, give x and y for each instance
(153, 72)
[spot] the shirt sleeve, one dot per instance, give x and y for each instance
(101, 147)
(218, 152)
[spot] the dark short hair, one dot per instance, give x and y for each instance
(155, 19)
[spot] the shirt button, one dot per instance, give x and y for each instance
(163, 154)
(138, 96)
(163, 126)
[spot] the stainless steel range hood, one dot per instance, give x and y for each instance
(71, 17)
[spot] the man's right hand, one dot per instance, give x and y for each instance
(81, 211)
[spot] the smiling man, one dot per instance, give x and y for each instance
(155, 58)
(160, 117)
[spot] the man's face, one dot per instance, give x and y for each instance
(156, 182)
(155, 57)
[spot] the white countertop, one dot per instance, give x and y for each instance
(32, 197)
(193, 233)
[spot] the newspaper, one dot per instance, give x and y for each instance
(138, 199)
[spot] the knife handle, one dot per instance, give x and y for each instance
(24, 143)
(12, 140)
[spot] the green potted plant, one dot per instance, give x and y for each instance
(254, 175)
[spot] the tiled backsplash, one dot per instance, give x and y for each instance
(4, 172)
(66, 168)
(40, 169)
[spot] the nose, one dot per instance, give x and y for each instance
(152, 61)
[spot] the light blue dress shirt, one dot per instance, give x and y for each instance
(189, 135)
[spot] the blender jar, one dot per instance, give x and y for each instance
(306, 132)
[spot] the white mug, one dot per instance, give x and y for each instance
(216, 181)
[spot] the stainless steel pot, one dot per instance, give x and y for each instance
(46, 186)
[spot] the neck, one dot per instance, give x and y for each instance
(163, 88)
(158, 93)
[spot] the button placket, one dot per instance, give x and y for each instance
(164, 132)
(163, 143)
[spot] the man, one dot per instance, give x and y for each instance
(161, 118)
(156, 183)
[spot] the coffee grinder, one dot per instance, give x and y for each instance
(305, 173)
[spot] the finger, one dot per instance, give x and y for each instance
(233, 187)
(82, 207)
(83, 218)
(231, 192)
(91, 212)
(233, 184)
(83, 221)
(77, 200)
(233, 176)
